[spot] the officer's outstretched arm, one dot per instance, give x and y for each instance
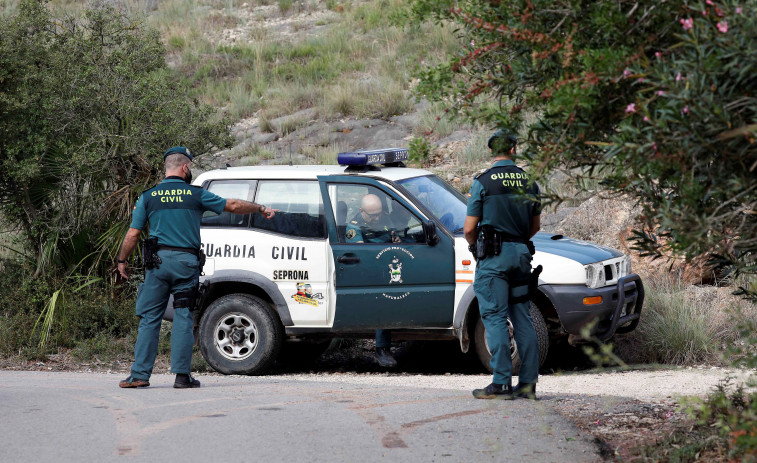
(239, 206)
(469, 228)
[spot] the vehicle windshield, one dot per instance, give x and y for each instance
(447, 204)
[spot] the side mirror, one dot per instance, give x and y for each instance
(429, 229)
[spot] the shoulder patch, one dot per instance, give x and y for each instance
(481, 172)
(353, 222)
(350, 233)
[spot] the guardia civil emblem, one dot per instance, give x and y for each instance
(395, 271)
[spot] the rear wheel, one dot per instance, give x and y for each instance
(240, 334)
(542, 340)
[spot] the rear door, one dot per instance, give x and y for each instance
(380, 283)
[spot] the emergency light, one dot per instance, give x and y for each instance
(371, 157)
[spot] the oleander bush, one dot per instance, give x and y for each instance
(657, 100)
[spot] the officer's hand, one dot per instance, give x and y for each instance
(269, 213)
(122, 271)
(395, 238)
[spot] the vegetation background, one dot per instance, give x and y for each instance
(637, 115)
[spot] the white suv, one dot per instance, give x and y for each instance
(296, 278)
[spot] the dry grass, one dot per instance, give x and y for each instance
(684, 324)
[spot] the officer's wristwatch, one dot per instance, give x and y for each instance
(261, 209)
(120, 261)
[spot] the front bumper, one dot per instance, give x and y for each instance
(619, 311)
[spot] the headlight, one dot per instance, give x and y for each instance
(595, 275)
(608, 272)
(627, 266)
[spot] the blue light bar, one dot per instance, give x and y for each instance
(371, 157)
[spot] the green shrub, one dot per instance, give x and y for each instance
(285, 5)
(85, 316)
(419, 150)
(732, 413)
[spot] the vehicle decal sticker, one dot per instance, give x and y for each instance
(396, 298)
(290, 275)
(395, 271)
(394, 248)
(304, 295)
(228, 250)
(288, 252)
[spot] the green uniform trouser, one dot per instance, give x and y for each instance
(494, 286)
(178, 272)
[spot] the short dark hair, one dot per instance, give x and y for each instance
(502, 141)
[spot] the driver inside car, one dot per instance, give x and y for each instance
(372, 225)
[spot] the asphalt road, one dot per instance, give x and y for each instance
(85, 417)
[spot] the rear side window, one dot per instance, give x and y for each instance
(300, 209)
(229, 189)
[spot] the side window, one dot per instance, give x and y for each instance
(366, 214)
(230, 189)
(300, 210)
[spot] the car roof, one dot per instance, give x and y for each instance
(305, 172)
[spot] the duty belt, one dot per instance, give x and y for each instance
(194, 251)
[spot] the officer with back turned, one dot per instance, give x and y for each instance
(503, 214)
(172, 262)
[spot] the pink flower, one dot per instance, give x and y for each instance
(686, 109)
(678, 77)
(704, 12)
(738, 10)
(723, 26)
(658, 55)
(631, 108)
(626, 72)
(654, 147)
(719, 12)
(687, 23)
(709, 2)
(646, 119)
(640, 79)
(660, 92)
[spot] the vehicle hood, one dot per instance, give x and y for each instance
(583, 252)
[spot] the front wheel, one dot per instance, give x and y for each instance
(542, 340)
(239, 334)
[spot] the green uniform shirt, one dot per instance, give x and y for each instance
(174, 209)
(497, 196)
(357, 230)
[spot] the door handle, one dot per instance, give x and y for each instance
(348, 259)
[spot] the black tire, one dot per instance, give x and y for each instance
(542, 339)
(240, 335)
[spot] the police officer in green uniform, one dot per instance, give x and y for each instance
(373, 226)
(504, 204)
(173, 210)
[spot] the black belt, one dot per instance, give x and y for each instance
(510, 239)
(194, 251)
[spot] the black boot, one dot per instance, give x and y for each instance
(495, 391)
(525, 390)
(185, 382)
(384, 357)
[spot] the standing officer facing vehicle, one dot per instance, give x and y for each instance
(173, 210)
(503, 215)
